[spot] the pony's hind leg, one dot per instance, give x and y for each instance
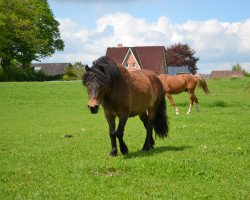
(198, 107)
(193, 99)
(144, 119)
(190, 108)
(196, 103)
(149, 141)
(173, 103)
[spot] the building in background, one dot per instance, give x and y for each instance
(51, 69)
(226, 74)
(141, 57)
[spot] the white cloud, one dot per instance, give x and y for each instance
(216, 43)
(244, 37)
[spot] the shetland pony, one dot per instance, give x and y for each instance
(183, 82)
(126, 94)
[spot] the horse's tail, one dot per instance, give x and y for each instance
(161, 120)
(202, 83)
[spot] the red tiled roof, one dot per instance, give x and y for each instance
(148, 57)
(117, 53)
(151, 57)
(226, 74)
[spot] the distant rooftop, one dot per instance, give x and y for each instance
(177, 70)
(50, 68)
(226, 74)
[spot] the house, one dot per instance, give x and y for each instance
(141, 57)
(50, 69)
(171, 70)
(226, 74)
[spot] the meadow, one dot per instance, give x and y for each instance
(206, 155)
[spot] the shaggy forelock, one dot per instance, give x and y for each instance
(104, 71)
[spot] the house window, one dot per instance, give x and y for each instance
(127, 65)
(134, 65)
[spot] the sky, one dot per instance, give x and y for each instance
(217, 30)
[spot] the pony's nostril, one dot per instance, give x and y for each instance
(94, 109)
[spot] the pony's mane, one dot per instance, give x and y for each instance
(104, 71)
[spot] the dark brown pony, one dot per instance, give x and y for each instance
(180, 83)
(126, 94)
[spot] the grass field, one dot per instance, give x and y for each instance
(206, 155)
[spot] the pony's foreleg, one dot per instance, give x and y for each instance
(111, 122)
(173, 103)
(120, 133)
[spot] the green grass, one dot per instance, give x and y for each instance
(206, 155)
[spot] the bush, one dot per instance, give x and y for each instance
(25, 74)
(73, 72)
(66, 77)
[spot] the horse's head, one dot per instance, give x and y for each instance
(100, 80)
(95, 90)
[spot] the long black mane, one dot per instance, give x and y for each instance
(104, 70)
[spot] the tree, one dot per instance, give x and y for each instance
(74, 72)
(28, 31)
(237, 67)
(182, 55)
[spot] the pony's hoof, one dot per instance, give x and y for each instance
(146, 148)
(113, 153)
(124, 150)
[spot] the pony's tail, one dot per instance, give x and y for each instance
(202, 83)
(161, 120)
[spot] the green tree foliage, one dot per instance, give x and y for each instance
(28, 31)
(74, 72)
(182, 55)
(237, 67)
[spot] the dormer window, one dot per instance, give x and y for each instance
(127, 65)
(134, 65)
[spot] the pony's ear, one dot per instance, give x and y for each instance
(87, 68)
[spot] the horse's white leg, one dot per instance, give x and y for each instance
(190, 108)
(173, 103)
(176, 111)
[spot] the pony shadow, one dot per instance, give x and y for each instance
(156, 150)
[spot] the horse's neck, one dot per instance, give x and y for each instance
(126, 77)
(118, 98)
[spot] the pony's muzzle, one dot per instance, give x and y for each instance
(93, 109)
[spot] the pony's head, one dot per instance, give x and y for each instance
(100, 80)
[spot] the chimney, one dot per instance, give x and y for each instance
(119, 45)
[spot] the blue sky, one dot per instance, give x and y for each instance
(219, 31)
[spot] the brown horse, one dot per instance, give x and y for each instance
(180, 83)
(126, 94)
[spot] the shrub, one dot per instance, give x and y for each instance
(74, 72)
(65, 77)
(25, 74)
